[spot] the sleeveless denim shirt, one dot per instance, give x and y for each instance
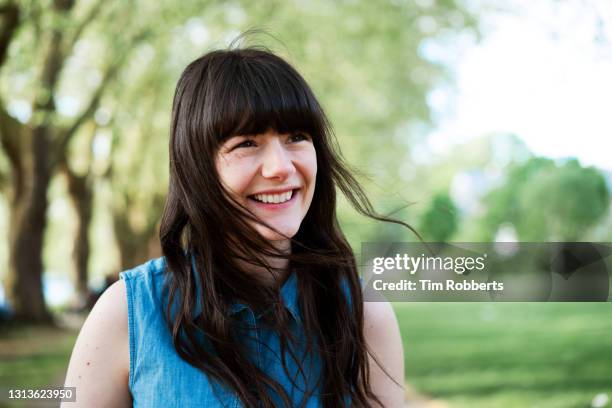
(159, 377)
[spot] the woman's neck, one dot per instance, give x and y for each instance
(278, 266)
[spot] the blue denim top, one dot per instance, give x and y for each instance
(160, 378)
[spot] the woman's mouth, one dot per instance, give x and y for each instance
(278, 200)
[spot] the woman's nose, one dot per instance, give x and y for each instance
(277, 161)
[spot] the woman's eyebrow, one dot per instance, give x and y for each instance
(234, 136)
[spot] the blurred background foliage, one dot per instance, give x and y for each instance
(85, 98)
(92, 84)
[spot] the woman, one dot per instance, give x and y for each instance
(257, 300)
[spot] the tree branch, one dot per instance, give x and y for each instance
(93, 13)
(11, 139)
(89, 110)
(10, 130)
(53, 62)
(63, 159)
(94, 102)
(10, 21)
(34, 18)
(3, 181)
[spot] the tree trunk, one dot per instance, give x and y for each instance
(134, 247)
(28, 208)
(33, 151)
(81, 195)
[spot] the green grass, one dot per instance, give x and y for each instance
(468, 354)
(33, 357)
(508, 354)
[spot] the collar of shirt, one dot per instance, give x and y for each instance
(288, 294)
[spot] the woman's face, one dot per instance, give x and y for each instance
(271, 174)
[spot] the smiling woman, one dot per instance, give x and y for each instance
(272, 175)
(257, 300)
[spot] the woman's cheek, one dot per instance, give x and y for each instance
(231, 174)
(243, 172)
(308, 159)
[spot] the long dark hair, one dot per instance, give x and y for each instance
(206, 235)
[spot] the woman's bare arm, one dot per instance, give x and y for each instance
(383, 338)
(100, 362)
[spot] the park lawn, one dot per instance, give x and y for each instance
(34, 357)
(468, 354)
(508, 354)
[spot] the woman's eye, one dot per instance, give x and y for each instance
(246, 143)
(298, 137)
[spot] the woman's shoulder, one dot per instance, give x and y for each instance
(99, 365)
(145, 282)
(147, 270)
(145, 291)
(383, 337)
(111, 308)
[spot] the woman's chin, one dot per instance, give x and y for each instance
(270, 235)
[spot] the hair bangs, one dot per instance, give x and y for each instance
(260, 96)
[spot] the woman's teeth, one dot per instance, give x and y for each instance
(274, 198)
